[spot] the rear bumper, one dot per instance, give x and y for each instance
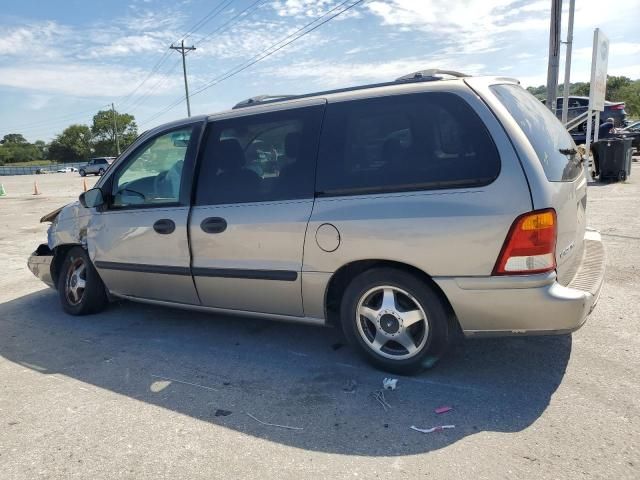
(40, 264)
(531, 304)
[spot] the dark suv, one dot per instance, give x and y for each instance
(579, 105)
(97, 166)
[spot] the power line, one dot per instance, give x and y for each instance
(207, 18)
(56, 119)
(221, 27)
(263, 54)
(161, 81)
(217, 10)
(153, 70)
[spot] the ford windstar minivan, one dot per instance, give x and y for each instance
(404, 212)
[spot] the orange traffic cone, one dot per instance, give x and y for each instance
(84, 184)
(36, 190)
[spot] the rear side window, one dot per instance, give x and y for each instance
(260, 158)
(408, 142)
(545, 132)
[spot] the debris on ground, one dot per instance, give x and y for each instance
(350, 387)
(439, 428)
(390, 383)
(274, 424)
(379, 396)
(222, 413)
(337, 346)
(443, 409)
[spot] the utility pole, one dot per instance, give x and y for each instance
(183, 51)
(567, 64)
(554, 54)
(115, 128)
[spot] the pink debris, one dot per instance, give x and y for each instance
(444, 409)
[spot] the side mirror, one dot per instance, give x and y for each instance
(91, 198)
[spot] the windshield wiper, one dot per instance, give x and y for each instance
(568, 151)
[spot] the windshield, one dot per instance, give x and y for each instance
(548, 137)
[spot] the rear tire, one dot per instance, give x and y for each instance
(101, 172)
(82, 173)
(80, 287)
(396, 320)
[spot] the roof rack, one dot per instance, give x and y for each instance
(261, 99)
(430, 74)
(420, 76)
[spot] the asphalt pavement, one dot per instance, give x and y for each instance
(142, 392)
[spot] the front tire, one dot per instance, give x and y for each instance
(83, 173)
(395, 319)
(100, 172)
(80, 287)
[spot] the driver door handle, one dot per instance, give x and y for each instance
(164, 226)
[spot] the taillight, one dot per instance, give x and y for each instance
(530, 246)
(618, 107)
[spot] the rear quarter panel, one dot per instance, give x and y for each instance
(568, 199)
(453, 232)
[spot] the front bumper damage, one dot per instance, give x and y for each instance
(40, 264)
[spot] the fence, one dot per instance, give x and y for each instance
(9, 170)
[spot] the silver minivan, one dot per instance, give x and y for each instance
(405, 212)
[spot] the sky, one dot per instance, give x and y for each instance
(62, 61)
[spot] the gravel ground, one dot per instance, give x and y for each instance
(144, 392)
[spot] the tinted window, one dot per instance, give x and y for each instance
(153, 173)
(258, 158)
(545, 132)
(427, 140)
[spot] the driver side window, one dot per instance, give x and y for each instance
(152, 175)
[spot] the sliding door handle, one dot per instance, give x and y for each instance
(213, 225)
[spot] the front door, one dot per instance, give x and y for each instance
(253, 200)
(139, 243)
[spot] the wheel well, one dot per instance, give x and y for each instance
(59, 254)
(343, 276)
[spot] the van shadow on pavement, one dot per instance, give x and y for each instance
(199, 365)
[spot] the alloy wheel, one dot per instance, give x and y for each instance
(392, 323)
(76, 281)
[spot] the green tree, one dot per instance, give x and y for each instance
(104, 132)
(614, 84)
(630, 95)
(15, 148)
(13, 139)
(72, 145)
(41, 148)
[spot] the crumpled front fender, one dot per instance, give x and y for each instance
(70, 226)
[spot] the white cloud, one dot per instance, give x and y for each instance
(38, 101)
(303, 8)
(34, 40)
(78, 79)
(336, 74)
(128, 45)
(246, 40)
(466, 27)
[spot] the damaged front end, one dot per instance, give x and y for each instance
(68, 227)
(40, 264)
